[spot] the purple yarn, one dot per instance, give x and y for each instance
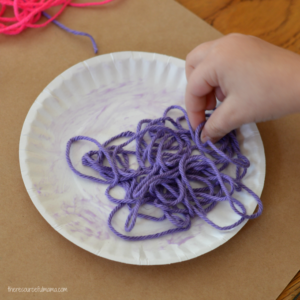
(166, 169)
(73, 31)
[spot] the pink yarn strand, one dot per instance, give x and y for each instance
(28, 12)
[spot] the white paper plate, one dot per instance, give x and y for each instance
(99, 98)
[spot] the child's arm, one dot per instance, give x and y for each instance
(256, 80)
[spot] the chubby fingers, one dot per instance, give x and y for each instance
(223, 120)
(202, 86)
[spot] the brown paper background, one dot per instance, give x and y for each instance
(256, 264)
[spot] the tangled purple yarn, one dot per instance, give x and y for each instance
(167, 165)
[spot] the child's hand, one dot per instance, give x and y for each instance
(256, 81)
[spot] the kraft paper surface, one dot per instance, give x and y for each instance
(257, 263)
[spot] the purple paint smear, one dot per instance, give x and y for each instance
(100, 113)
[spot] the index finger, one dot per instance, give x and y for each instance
(198, 87)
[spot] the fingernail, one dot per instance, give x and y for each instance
(204, 138)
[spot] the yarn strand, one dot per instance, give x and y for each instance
(28, 12)
(73, 31)
(169, 161)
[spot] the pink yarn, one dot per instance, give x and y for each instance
(28, 12)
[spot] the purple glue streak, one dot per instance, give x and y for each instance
(73, 31)
(165, 172)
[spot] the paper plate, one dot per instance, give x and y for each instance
(99, 98)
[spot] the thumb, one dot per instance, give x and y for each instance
(224, 119)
